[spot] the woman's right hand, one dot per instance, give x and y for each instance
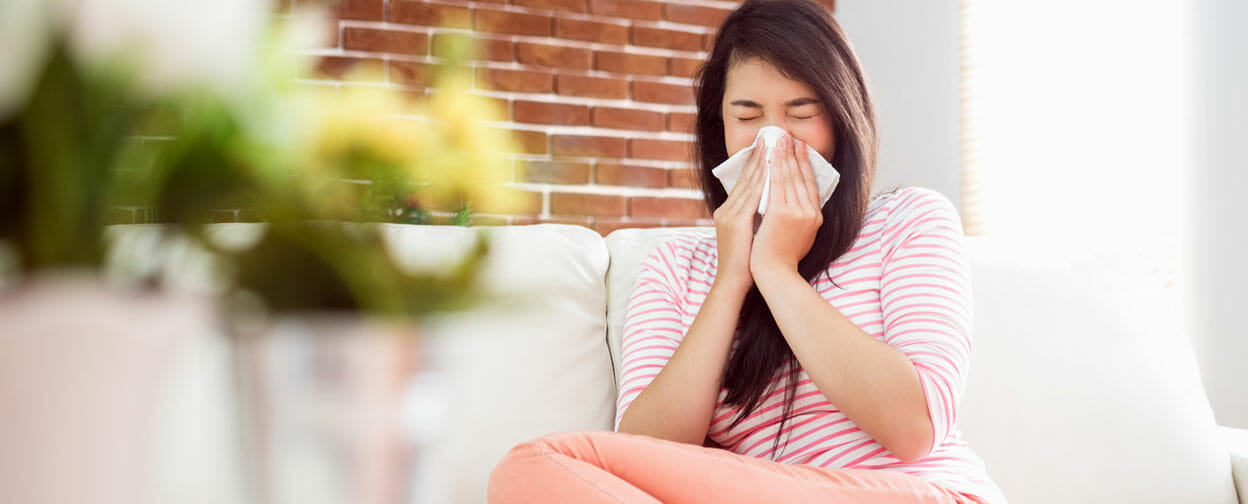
(734, 225)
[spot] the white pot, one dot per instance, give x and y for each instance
(82, 366)
(327, 409)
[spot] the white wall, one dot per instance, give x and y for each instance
(1159, 88)
(1215, 301)
(909, 50)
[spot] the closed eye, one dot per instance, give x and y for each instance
(746, 118)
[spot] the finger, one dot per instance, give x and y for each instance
(797, 191)
(743, 180)
(782, 165)
(755, 196)
(753, 171)
(806, 173)
(772, 175)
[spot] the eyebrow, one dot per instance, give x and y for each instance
(791, 103)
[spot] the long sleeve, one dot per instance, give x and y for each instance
(652, 324)
(925, 295)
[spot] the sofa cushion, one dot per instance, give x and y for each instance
(1083, 386)
(536, 365)
(628, 247)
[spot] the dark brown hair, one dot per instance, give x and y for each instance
(802, 40)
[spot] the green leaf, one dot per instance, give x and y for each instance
(463, 216)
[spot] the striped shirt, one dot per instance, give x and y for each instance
(905, 281)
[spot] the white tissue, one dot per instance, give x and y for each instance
(729, 171)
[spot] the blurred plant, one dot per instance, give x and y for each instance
(244, 136)
(53, 185)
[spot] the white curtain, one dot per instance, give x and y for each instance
(1074, 124)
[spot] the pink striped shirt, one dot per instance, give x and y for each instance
(905, 281)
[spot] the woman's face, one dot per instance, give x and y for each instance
(756, 94)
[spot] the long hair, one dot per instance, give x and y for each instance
(803, 41)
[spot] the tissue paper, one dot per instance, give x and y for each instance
(730, 170)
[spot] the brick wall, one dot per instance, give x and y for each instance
(598, 93)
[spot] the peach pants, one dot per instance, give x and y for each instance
(603, 466)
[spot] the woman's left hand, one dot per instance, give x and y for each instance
(793, 213)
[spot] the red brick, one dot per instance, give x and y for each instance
(560, 5)
(668, 39)
(575, 221)
(587, 204)
(496, 106)
(486, 49)
(658, 92)
(550, 113)
(591, 87)
(411, 73)
(688, 222)
(486, 220)
(627, 119)
(358, 69)
(681, 122)
(632, 9)
(591, 31)
(430, 14)
(332, 34)
(500, 106)
(694, 14)
(673, 208)
(553, 55)
(683, 67)
(385, 41)
(516, 23)
(684, 178)
(589, 146)
(523, 81)
(670, 150)
(552, 172)
(415, 100)
(606, 226)
(529, 142)
(828, 4)
(623, 62)
(632, 176)
(708, 41)
(370, 10)
(528, 203)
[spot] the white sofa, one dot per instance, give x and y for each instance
(1083, 387)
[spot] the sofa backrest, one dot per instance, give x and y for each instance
(628, 247)
(536, 365)
(1083, 386)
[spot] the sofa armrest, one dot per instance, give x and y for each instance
(1237, 444)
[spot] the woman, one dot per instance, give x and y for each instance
(817, 355)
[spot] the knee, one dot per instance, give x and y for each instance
(526, 462)
(580, 445)
(513, 474)
(572, 444)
